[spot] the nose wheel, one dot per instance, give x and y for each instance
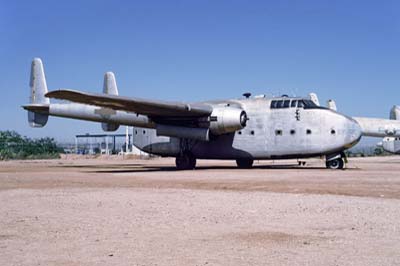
(335, 164)
(335, 161)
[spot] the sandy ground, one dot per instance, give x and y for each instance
(142, 212)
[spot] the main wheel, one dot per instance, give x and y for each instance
(185, 162)
(335, 164)
(244, 163)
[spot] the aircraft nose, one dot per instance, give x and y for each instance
(353, 133)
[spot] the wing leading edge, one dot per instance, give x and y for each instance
(136, 105)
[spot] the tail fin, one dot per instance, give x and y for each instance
(109, 87)
(37, 114)
(395, 113)
(314, 98)
(331, 104)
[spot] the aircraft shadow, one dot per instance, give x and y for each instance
(144, 168)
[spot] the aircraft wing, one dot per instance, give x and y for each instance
(136, 105)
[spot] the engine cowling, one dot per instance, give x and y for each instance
(227, 120)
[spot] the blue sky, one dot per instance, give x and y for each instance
(199, 50)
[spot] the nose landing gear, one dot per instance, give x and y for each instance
(335, 161)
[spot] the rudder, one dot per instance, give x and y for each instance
(110, 88)
(38, 89)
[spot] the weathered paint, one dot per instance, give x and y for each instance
(269, 133)
(329, 132)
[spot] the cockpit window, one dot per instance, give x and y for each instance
(302, 103)
(279, 104)
(286, 104)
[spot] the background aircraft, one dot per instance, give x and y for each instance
(238, 129)
(392, 144)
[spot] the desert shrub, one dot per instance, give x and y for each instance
(15, 146)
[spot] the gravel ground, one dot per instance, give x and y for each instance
(141, 212)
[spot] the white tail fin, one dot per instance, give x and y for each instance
(395, 113)
(38, 88)
(38, 83)
(314, 98)
(331, 105)
(109, 87)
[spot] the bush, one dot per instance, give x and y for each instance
(15, 146)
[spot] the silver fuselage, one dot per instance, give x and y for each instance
(269, 134)
(391, 144)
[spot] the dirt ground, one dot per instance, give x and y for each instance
(113, 211)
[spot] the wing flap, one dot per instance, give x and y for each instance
(136, 105)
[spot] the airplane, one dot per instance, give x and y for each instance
(392, 144)
(245, 129)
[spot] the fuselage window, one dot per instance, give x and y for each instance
(273, 104)
(279, 104)
(292, 132)
(333, 132)
(240, 132)
(300, 104)
(294, 103)
(135, 132)
(144, 132)
(278, 132)
(308, 131)
(286, 104)
(252, 132)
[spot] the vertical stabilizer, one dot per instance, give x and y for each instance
(109, 87)
(331, 104)
(314, 98)
(395, 113)
(38, 88)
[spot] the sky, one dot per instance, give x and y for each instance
(199, 50)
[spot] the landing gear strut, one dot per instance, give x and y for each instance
(185, 161)
(335, 161)
(244, 163)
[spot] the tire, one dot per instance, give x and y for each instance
(185, 162)
(244, 163)
(335, 164)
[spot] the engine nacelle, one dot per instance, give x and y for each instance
(227, 120)
(109, 127)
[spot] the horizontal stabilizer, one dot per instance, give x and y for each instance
(37, 108)
(136, 105)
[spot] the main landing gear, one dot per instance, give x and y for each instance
(185, 161)
(336, 161)
(244, 163)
